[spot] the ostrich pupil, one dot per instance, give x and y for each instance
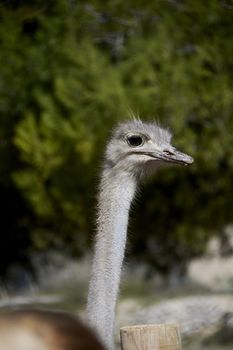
(135, 141)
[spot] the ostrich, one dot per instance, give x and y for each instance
(135, 149)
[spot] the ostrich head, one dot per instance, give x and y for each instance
(137, 147)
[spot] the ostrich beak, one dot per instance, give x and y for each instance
(171, 155)
(174, 156)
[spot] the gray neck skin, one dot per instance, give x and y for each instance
(116, 194)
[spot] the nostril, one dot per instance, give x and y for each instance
(168, 153)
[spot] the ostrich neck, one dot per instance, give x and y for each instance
(116, 194)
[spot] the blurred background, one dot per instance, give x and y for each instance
(70, 70)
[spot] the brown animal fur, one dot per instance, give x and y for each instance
(44, 330)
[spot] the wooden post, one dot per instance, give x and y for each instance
(151, 337)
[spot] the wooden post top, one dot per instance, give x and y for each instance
(151, 337)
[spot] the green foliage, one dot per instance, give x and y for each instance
(72, 70)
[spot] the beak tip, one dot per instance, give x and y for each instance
(190, 160)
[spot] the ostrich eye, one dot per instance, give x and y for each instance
(135, 140)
